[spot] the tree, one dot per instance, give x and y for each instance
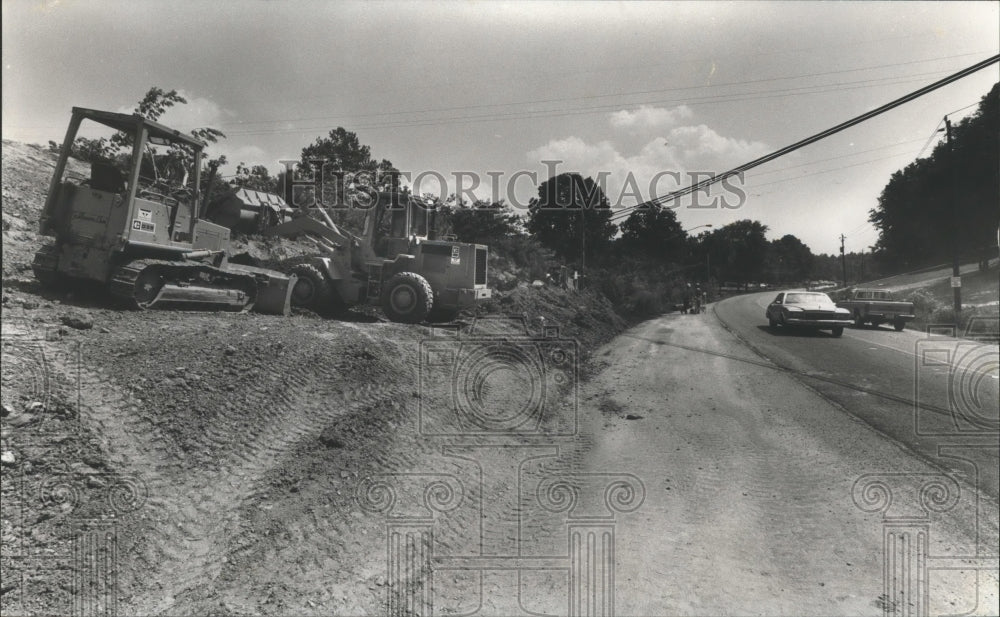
(652, 232)
(344, 164)
(119, 146)
(953, 192)
(484, 222)
(569, 213)
(256, 178)
(737, 251)
(788, 259)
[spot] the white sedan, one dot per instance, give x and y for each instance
(807, 309)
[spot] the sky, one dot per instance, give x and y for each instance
(645, 95)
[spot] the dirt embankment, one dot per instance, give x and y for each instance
(218, 455)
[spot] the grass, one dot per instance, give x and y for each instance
(980, 315)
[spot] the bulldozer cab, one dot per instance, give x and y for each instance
(142, 189)
(396, 223)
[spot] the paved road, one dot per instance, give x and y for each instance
(765, 496)
(937, 395)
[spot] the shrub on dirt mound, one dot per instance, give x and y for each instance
(584, 315)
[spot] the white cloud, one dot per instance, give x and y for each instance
(702, 147)
(657, 165)
(198, 112)
(646, 117)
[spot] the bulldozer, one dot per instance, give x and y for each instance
(134, 226)
(397, 262)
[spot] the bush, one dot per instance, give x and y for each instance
(523, 255)
(645, 303)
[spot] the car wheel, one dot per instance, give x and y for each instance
(838, 331)
(899, 325)
(771, 322)
(859, 321)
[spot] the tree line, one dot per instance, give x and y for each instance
(947, 201)
(951, 194)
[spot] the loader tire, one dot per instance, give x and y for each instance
(407, 297)
(312, 289)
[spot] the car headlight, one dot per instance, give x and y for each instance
(794, 309)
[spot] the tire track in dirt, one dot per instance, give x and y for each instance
(178, 544)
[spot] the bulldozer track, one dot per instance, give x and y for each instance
(123, 282)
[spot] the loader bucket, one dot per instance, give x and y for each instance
(274, 289)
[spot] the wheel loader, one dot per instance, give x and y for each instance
(397, 262)
(134, 227)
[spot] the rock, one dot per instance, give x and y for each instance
(330, 440)
(21, 419)
(78, 320)
(104, 331)
(633, 416)
(6, 410)
(35, 407)
(345, 474)
(29, 305)
(230, 350)
(7, 458)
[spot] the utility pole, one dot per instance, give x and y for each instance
(843, 258)
(956, 278)
(862, 275)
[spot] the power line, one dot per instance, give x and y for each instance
(596, 96)
(826, 171)
(834, 158)
(931, 138)
(536, 114)
(822, 134)
(620, 213)
(962, 108)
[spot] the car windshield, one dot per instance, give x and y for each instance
(807, 298)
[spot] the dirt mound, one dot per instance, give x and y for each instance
(27, 170)
(219, 455)
(584, 315)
